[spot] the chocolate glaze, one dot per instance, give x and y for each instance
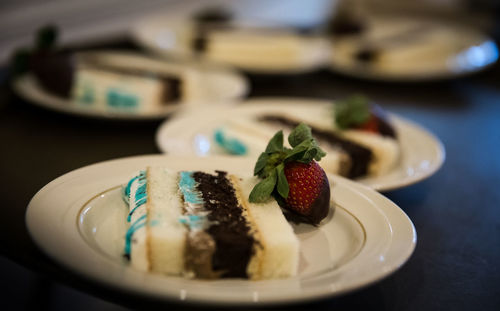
(230, 230)
(345, 25)
(384, 126)
(360, 156)
(319, 209)
(321, 205)
(54, 71)
(367, 55)
(213, 15)
(199, 43)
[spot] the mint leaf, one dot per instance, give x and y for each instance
(309, 155)
(282, 185)
(305, 152)
(46, 37)
(260, 164)
(352, 111)
(262, 191)
(276, 143)
(300, 133)
(297, 153)
(321, 153)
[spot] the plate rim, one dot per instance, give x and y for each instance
(439, 146)
(441, 75)
(408, 235)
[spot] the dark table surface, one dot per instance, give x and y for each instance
(456, 212)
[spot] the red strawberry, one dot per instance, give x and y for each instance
(358, 112)
(309, 194)
(370, 125)
(292, 176)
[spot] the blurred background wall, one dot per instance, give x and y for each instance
(101, 19)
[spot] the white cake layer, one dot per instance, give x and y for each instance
(260, 49)
(386, 151)
(278, 256)
(166, 234)
(111, 91)
(255, 135)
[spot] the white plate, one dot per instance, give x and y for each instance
(191, 132)
(79, 220)
(171, 37)
(426, 50)
(209, 85)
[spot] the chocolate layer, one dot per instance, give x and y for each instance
(54, 71)
(385, 128)
(229, 229)
(360, 156)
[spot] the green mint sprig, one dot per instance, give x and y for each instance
(352, 111)
(270, 165)
(45, 39)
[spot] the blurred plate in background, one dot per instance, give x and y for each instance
(253, 46)
(408, 49)
(192, 133)
(202, 84)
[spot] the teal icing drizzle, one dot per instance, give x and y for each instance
(140, 196)
(125, 195)
(118, 98)
(197, 219)
(126, 189)
(139, 223)
(230, 145)
(187, 186)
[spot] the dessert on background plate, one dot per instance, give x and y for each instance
(219, 36)
(399, 48)
(384, 152)
(120, 83)
(358, 136)
(207, 225)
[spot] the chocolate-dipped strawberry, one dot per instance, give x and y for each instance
(358, 112)
(293, 177)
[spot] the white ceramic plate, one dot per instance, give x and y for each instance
(414, 50)
(208, 84)
(79, 220)
(191, 132)
(290, 52)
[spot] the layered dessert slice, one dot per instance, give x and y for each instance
(221, 38)
(108, 81)
(109, 85)
(354, 150)
(201, 225)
